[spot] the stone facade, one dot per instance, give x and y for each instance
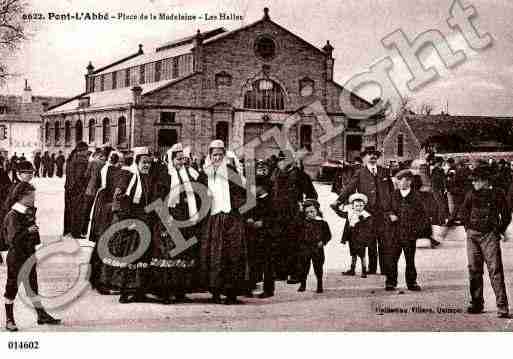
(241, 84)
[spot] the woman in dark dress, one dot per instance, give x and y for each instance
(177, 274)
(51, 165)
(129, 203)
(223, 247)
(103, 275)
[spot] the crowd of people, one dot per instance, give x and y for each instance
(44, 166)
(165, 227)
(391, 207)
(227, 252)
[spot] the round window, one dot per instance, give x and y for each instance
(265, 48)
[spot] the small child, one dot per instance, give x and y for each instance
(22, 236)
(313, 234)
(358, 230)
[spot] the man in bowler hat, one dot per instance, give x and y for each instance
(373, 181)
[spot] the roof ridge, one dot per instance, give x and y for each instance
(189, 39)
(129, 57)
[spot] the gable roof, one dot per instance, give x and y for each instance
(246, 27)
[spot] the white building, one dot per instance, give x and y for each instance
(20, 122)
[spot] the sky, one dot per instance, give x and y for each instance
(55, 57)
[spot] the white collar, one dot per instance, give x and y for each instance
(405, 192)
(20, 208)
(372, 167)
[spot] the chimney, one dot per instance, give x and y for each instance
(328, 49)
(198, 52)
(27, 93)
(136, 92)
(89, 78)
(140, 52)
(266, 13)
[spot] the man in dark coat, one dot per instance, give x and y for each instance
(14, 164)
(486, 216)
(289, 188)
(408, 220)
(59, 162)
(374, 182)
(37, 164)
(93, 184)
(45, 161)
(75, 186)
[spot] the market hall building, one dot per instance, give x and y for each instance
(229, 85)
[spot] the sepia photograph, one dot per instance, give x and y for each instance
(253, 167)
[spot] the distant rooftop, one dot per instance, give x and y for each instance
(189, 39)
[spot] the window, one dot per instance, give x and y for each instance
(184, 63)
(102, 82)
(92, 127)
(167, 117)
(134, 76)
(107, 81)
(120, 78)
(67, 133)
(306, 87)
(149, 70)
(78, 131)
(3, 132)
(175, 67)
(222, 132)
(127, 77)
(114, 80)
(264, 94)
(158, 69)
(265, 48)
(223, 79)
(57, 132)
(400, 145)
(3, 110)
(141, 74)
(47, 132)
(167, 69)
(305, 137)
(98, 83)
(106, 130)
(121, 130)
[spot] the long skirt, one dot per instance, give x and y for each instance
(67, 211)
(103, 274)
(101, 217)
(178, 274)
(224, 254)
(133, 276)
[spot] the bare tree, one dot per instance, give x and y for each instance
(426, 109)
(12, 30)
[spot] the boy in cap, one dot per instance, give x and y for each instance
(358, 230)
(485, 214)
(313, 234)
(408, 219)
